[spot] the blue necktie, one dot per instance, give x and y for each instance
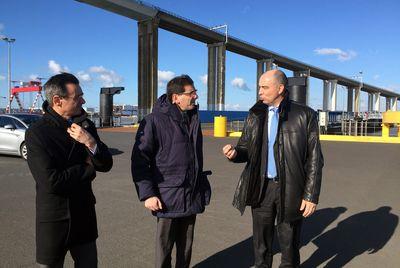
(272, 132)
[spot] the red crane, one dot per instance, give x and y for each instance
(31, 86)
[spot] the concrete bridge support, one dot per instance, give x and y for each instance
(147, 66)
(216, 77)
(394, 104)
(325, 101)
(370, 102)
(388, 106)
(333, 95)
(350, 99)
(357, 99)
(377, 102)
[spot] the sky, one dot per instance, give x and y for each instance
(100, 47)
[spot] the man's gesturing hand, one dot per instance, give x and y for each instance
(153, 203)
(81, 135)
(229, 151)
(308, 207)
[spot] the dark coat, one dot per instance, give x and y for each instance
(297, 153)
(167, 161)
(65, 204)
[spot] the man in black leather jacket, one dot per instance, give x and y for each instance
(282, 177)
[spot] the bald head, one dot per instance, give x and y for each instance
(272, 86)
(276, 76)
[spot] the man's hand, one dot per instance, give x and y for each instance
(81, 135)
(308, 207)
(229, 151)
(153, 203)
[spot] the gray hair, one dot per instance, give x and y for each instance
(281, 78)
(56, 86)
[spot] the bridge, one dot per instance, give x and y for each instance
(150, 18)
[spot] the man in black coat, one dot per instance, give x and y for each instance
(64, 153)
(167, 168)
(282, 178)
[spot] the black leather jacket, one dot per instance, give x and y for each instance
(297, 153)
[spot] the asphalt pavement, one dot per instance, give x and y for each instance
(355, 224)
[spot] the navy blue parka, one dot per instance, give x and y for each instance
(167, 161)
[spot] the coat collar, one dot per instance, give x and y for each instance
(163, 105)
(52, 115)
(260, 109)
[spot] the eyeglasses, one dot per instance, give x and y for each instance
(191, 93)
(75, 98)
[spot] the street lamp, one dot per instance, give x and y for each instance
(9, 41)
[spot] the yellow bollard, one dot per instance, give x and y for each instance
(220, 126)
(385, 130)
(389, 118)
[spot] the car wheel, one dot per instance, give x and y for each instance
(24, 151)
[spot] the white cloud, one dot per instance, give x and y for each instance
(56, 68)
(33, 77)
(204, 79)
(2, 77)
(376, 77)
(240, 84)
(164, 77)
(108, 78)
(83, 76)
(232, 107)
(97, 69)
(341, 55)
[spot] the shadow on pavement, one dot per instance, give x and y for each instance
(115, 151)
(241, 254)
(367, 231)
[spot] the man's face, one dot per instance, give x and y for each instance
(72, 104)
(187, 99)
(270, 91)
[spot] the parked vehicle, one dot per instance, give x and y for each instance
(12, 133)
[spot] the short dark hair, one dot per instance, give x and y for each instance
(176, 85)
(281, 78)
(56, 86)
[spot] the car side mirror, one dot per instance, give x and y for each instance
(10, 127)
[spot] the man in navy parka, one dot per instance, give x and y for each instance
(167, 168)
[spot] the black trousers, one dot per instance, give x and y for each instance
(178, 231)
(288, 233)
(84, 256)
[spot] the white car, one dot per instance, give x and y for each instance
(12, 133)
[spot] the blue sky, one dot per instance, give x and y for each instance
(100, 47)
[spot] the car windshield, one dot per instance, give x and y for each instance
(28, 118)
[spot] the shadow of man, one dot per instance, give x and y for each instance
(242, 255)
(115, 151)
(367, 231)
(318, 222)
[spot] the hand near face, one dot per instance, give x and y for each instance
(229, 151)
(81, 135)
(153, 203)
(308, 208)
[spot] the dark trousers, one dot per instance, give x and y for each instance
(288, 233)
(84, 256)
(178, 231)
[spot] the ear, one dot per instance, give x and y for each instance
(281, 89)
(175, 99)
(57, 101)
